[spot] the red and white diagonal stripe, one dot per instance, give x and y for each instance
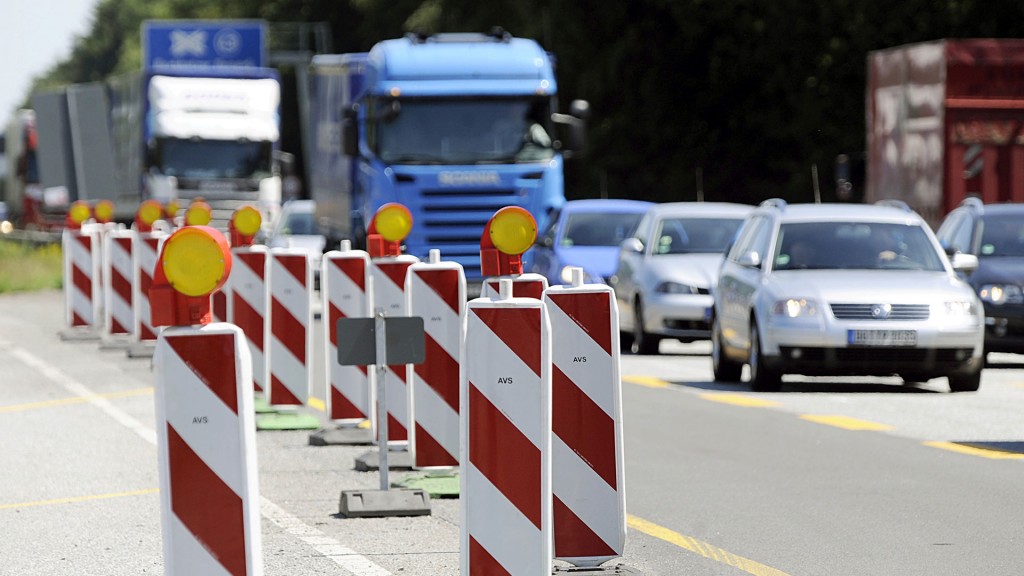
(145, 253)
(346, 289)
(81, 276)
(527, 285)
(248, 306)
(207, 447)
(587, 457)
(118, 313)
(437, 293)
(291, 326)
(389, 293)
(506, 452)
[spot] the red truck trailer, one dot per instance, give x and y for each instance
(945, 120)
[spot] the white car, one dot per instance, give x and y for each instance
(667, 271)
(844, 289)
(295, 227)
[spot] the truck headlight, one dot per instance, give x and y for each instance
(795, 308)
(999, 294)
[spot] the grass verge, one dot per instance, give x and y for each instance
(25, 267)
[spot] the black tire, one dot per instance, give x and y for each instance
(643, 341)
(965, 382)
(762, 379)
(724, 368)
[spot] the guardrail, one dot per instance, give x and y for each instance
(32, 236)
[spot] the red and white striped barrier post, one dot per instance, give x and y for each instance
(145, 252)
(505, 472)
(527, 285)
(118, 276)
(204, 403)
(248, 305)
(290, 350)
(82, 291)
(436, 291)
(587, 444)
(346, 288)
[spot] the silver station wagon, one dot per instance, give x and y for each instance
(844, 289)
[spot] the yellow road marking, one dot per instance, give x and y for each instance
(739, 400)
(702, 548)
(73, 400)
(317, 404)
(975, 451)
(845, 422)
(79, 499)
(646, 381)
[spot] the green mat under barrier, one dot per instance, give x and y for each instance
(437, 484)
(261, 406)
(287, 421)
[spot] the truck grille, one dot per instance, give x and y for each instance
(873, 312)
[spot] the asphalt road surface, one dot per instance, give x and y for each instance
(829, 477)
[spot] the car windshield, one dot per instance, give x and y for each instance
(1002, 235)
(855, 245)
(598, 228)
(298, 223)
(435, 131)
(694, 235)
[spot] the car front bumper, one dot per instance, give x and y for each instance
(683, 316)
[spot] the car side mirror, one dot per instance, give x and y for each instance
(750, 260)
(632, 245)
(965, 263)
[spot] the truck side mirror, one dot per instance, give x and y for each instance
(576, 121)
(350, 132)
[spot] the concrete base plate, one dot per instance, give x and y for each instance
(79, 334)
(381, 503)
(287, 421)
(143, 349)
(437, 484)
(396, 461)
(618, 570)
(341, 436)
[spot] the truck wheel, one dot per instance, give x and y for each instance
(724, 368)
(761, 378)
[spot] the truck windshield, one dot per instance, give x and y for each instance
(433, 131)
(212, 158)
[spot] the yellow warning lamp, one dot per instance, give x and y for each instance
(507, 235)
(104, 211)
(171, 210)
(194, 262)
(78, 213)
(199, 213)
(245, 224)
(390, 225)
(148, 213)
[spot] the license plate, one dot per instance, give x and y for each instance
(882, 337)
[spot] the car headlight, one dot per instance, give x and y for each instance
(676, 288)
(1001, 294)
(795, 308)
(961, 308)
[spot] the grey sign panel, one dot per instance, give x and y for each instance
(403, 340)
(89, 116)
(357, 342)
(56, 158)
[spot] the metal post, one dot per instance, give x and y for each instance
(382, 408)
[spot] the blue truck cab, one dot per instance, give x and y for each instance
(453, 126)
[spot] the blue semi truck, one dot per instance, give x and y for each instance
(453, 126)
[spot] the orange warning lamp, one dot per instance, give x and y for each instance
(147, 214)
(509, 233)
(171, 210)
(104, 211)
(194, 262)
(390, 225)
(78, 213)
(244, 225)
(199, 213)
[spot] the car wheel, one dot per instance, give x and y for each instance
(965, 382)
(643, 341)
(761, 378)
(723, 367)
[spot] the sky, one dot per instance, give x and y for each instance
(35, 35)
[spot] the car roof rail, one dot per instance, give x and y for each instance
(777, 203)
(972, 202)
(893, 203)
